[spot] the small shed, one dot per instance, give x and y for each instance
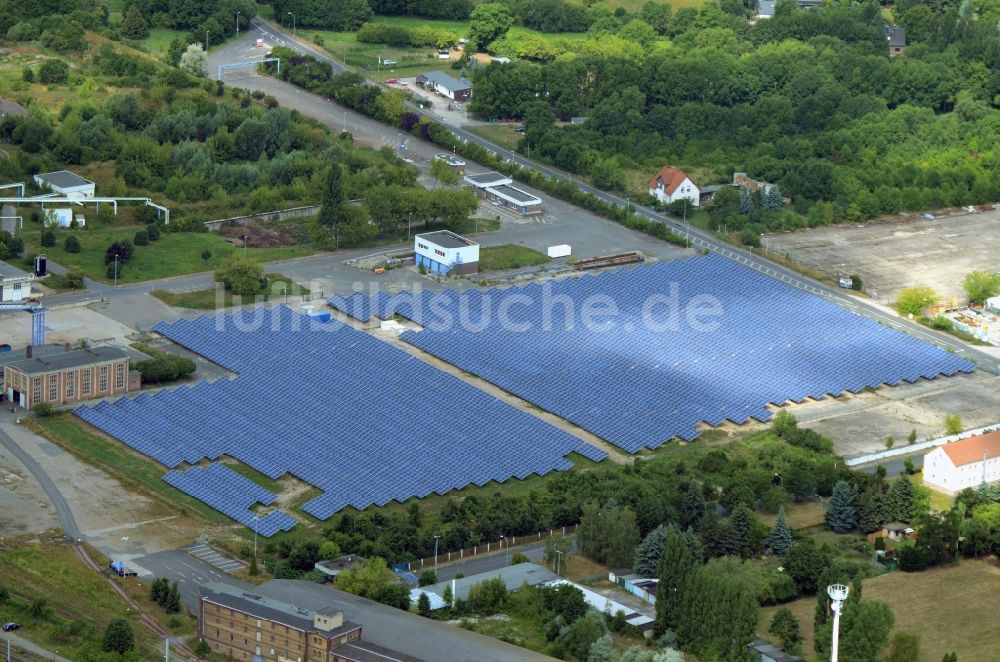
(445, 85)
(764, 651)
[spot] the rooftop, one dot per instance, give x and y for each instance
(365, 651)
(64, 179)
(333, 566)
(42, 362)
(973, 449)
(446, 81)
(895, 36)
(488, 179)
(10, 271)
(514, 576)
(11, 108)
(263, 607)
(446, 239)
(770, 650)
(515, 194)
(671, 178)
(765, 7)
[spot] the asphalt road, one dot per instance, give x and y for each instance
(493, 561)
(187, 571)
(66, 519)
(697, 237)
(893, 467)
(13, 643)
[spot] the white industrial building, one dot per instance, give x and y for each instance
(993, 305)
(965, 463)
(15, 285)
(66, 183)
(446, 253)
(497, 188)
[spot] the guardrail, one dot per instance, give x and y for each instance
(487, 548)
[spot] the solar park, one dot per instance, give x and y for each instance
(636, 385)
(362, 420)
(368, 423)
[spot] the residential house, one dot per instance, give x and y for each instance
(66, 183)
(896, 37)
(670, 185)
(763, 650)
(964, 463)
(765, 9)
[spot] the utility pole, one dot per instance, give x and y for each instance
(506, 549)
(558, 561)
(436, 554)
(237, 24)
(166, 649)
(293, 22)
(116, 270)
(206, 41)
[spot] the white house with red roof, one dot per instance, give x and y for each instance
(670, 185)
(964, 463)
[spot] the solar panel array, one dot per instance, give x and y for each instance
(362, 420)
(652, 375)
(232, 494)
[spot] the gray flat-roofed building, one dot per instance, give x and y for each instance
(445, 85)
(444, 252)
(487, 179)
(764, 651)
(514, 576)
(513, 198)
(66, 183)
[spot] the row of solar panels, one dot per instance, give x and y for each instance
(232, 494)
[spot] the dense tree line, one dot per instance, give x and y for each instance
(341, 15)
(809, 100)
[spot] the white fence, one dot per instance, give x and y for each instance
(919, 446)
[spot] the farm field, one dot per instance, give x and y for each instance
(944, 606)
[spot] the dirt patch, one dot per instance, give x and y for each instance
(24, 508)
(258, 236)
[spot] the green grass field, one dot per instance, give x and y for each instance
(504, 135)
(278, 286)
(79, 601)
(509, 256)
(174, 254)
(943, 606)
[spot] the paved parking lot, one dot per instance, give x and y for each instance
(891, 256)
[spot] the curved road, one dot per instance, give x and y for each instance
(696, 237)
(65, 514)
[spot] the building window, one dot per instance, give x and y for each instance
(119, 375)
(36, 390)
(102, 385)
(423, 246)
(70, 378)
(437, 252)
(53, 388)
(85, 381)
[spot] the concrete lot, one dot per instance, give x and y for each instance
(62, 325)
(891, 256)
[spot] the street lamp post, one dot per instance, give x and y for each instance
(255, 518)
(506, 549)
(237, 24)
(436, 554)
(558, 561)
(116, 269)
(293, 21)
(764, 240)
(244, 245)
(206, 41)
(838, 595)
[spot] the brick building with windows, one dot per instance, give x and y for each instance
(250, 627)
(58, 375)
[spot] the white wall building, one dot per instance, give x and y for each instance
(66, 183)
(993, 305)
(15, 285)
(965, 463)
(445, 253)
(670, 185)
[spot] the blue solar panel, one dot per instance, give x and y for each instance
(231, 494)
(338, 408)
(651, 375)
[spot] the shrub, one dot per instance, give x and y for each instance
(427, 577)
(153, 231)
(72, 244)
(43, 409)
(240, 275)
(141, 238)
(914, 559)
(953, 424)
(206, 255)
(28, 75)
(202, 648)
(48, 239)
(53, 72)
